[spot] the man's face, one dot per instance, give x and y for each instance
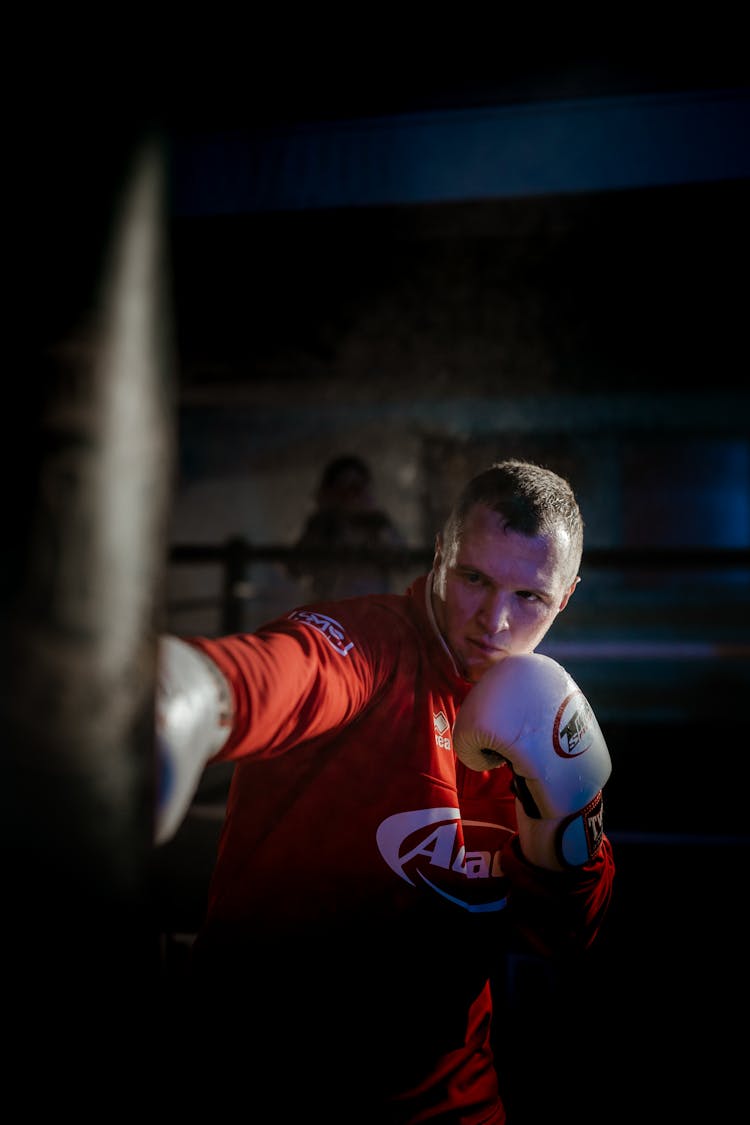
(499, 592)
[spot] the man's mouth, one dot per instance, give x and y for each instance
(486, 649)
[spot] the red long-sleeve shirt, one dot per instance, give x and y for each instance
(367, 882)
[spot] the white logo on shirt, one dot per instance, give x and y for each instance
(441, 725)
(330, 629)
(427, 840)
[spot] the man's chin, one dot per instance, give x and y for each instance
(476, 668)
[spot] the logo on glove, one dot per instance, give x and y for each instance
(593, 823)
(573, 721)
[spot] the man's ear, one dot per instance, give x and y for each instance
(437, 557)
(568, 593)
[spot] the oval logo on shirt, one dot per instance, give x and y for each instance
(457, 859)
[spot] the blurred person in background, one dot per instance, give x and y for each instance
(347, 520)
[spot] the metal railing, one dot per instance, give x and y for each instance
(237, 553)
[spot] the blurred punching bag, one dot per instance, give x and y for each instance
(83, 588)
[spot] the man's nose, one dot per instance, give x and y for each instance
(494, 616)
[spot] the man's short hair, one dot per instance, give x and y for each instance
(531, 499)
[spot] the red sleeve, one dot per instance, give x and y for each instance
(291, 681)
(558, 914)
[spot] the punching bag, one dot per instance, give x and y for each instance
(82, 582)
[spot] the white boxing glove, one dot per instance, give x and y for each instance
(528, 712)
(193, 721)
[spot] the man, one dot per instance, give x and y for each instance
(368, 881)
